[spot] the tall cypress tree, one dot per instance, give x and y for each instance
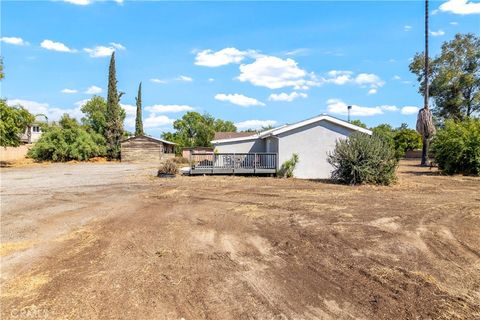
(138, 119)
(113, 116)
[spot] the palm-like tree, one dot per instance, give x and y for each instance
(425, 124)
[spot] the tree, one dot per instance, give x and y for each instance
(385, 132)
(220, 125)
(95, 111)
(406, 139)
(425, 124)
(358, 123)
(68, 141)
(400, 139)
(2, 74)
(13, 122)
(455, 84)
(197, 130)
(113, 115)
(138, 119)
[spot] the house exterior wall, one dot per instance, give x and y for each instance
(141, 149)
(271, 144)
(311, 143)
(256, 145)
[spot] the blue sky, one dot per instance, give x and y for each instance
(254, 63)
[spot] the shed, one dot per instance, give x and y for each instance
(187, 151)
(312, 139)
(146, 149)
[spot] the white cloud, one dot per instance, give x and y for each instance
(161, 108)
(154, 121)
(184, 78)
(286, 96)
(130, 110)
(437, 33)
(14, 40)
(103, 51)
(298, 52)
(389, 108)
(156, 80)
(460, 7)
(337, 106)
(211, 79)
(342, 77)
(339, 77)
(79, 2)
(210, 58)
(117, 46)
(407, 28)
(275, 73)
(53, 113)
(239, 99)
(93, 90)
(255, 124)
(55, 46)
(81, 103)
(396, 77)
(69, 91)
(369, 79)
(131, 113)
(408, 110)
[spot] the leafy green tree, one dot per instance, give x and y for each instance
(385, 132)
(197, 130)
(2, 73)
(457, 147)
(113, 115)
(13, 122)
(138, 119)
(68, 141)
(406, 139)
(95, 111)
(220, 125)
(455, 77)
(358, 123)
(401, 139)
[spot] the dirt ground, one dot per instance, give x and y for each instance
(111, 241)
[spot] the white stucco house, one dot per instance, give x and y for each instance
(311, 139)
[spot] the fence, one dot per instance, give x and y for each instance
(230, 163)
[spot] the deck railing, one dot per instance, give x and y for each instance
(233, 163)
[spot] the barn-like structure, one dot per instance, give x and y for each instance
(146, 149)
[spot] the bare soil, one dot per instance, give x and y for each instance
(112, 241)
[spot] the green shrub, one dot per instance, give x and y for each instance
(456, 147)
(363, 159)
(406, 140)
(167, 167)
(74, 143)
(286, 170)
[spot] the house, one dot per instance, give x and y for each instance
(33, 133)
(146, 149)
(311, 139)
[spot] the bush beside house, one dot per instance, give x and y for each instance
(456, 147)
(363, 159)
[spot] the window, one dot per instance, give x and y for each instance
(36, 129)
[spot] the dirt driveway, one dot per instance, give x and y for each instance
(110, 241)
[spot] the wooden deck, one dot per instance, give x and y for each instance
(233, 163)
